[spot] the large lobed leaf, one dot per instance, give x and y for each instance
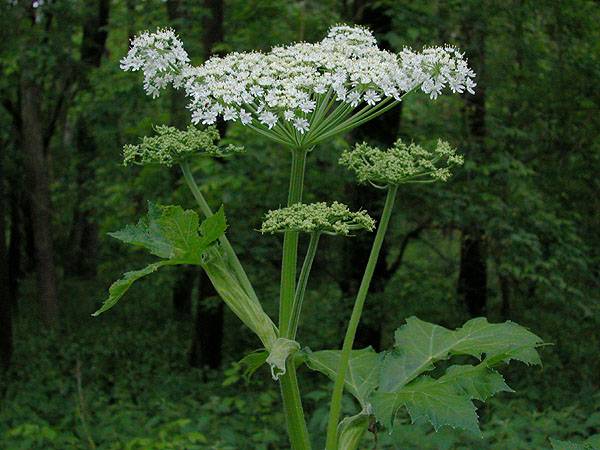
(418, 345)
(171, 233)
(446, 400)
(398, 379)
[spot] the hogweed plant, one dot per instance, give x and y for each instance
(299, 96)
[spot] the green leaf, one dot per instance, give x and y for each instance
(363, 370)
(119, 287)
(477, 382)
(252, 362)
(420, 344)
(171, 233)
(146, 234)
(427, 400)
(180, 229)
(213, 227)
(447, 400)
(443, 401)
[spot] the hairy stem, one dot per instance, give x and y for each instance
(292, 403)
(302, 282)
(338, 388)
(231, 255)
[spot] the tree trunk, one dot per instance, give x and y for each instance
(84, 231)
(182, 293)
(14, 248)
(207, 343)
(6, 342)
(472, 279)
(39, 194)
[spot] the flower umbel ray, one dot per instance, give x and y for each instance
(303, 93)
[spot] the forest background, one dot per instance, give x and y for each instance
(513, 236)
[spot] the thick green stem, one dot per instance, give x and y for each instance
(338, 388)
(302, 282)
(231, 255)
(292, 406)
(290, 244)
(292, 403)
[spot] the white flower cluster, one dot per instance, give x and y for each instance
(297, 87)
(160, 56)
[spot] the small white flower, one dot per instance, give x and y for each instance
(307, 106)
(209, 117)
(289, 115)
(456, 86)
(230, 114)
(320, 89)
(268, 118)
(371, 97)
(470, 84)
(245, 117)
(341, 92)
(301, 125)
(353, 98)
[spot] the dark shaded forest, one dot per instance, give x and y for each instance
(514, 235)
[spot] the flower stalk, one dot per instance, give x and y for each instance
(290, 392)
(302, 282)
(338, 388)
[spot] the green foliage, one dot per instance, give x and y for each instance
(419, 345)
(385, 383)
(566, 445)
(41, 407)
(170, 233)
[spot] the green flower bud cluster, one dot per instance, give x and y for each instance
(401, 163)
(170, 146)
(317, 217)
